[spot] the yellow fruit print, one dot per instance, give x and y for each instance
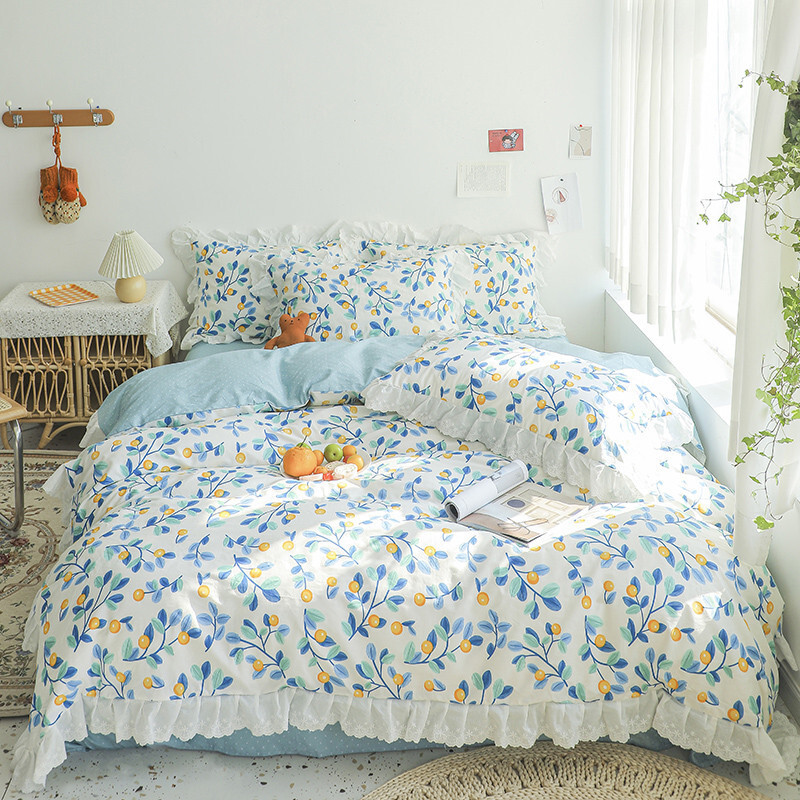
(364, 589)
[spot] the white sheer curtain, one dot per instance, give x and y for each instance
(765, 266)
(657, 91)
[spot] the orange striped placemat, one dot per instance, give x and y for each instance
(67, 294)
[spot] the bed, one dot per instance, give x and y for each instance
(202, 596)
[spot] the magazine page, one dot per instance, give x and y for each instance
(478, 494)
(523, 513)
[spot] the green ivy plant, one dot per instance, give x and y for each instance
(781, 389)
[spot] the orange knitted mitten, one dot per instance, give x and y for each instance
(70, 201)
(48, 193)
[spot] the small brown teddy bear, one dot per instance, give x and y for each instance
(293, 330)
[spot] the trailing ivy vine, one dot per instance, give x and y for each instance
(781, 389)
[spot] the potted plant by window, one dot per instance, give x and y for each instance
(780, 391)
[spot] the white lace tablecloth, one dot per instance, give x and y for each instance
(152, 317)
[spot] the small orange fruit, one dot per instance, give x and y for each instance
(299, 461)
(355, 459)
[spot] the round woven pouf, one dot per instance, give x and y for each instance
(589, 771)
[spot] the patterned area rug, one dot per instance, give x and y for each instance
(589, 771)
(25, 557)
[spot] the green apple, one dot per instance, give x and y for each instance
(333, 452)
(305, 444)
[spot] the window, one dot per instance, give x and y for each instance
(736, 36)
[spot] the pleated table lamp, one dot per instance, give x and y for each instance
(128, 259)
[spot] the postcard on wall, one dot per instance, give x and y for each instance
(506, 140)
(562, 204)
(477, 179)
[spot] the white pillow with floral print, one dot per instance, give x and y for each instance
(496, 286)
(583, 423)
(352, 300)
(226, 307)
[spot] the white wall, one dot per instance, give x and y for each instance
(263, 113)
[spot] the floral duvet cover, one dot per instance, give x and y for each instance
(201, 591)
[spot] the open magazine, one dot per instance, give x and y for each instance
(509, 504)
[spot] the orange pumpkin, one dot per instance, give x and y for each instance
(299, 461)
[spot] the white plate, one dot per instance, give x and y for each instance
(318, 476)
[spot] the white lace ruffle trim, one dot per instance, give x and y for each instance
(631, 482)
(772, 756)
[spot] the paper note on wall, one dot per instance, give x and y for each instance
(580, 141)
(562, 204)
(476, 179)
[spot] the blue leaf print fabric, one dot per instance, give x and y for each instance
(200, 589)
(352, 300)
(495, 285)
(583, 422)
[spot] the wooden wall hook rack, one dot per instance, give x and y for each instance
(94, 117)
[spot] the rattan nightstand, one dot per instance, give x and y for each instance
(10, 414)
(60, 363)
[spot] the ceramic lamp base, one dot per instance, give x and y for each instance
(130, 290)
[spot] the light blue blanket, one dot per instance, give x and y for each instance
(282, 378)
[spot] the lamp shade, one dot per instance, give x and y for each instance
(129, 255)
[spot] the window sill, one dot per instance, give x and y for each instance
(696, 364)
(704, 373)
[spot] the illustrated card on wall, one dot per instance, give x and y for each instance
(562, 204)
(505, 140)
